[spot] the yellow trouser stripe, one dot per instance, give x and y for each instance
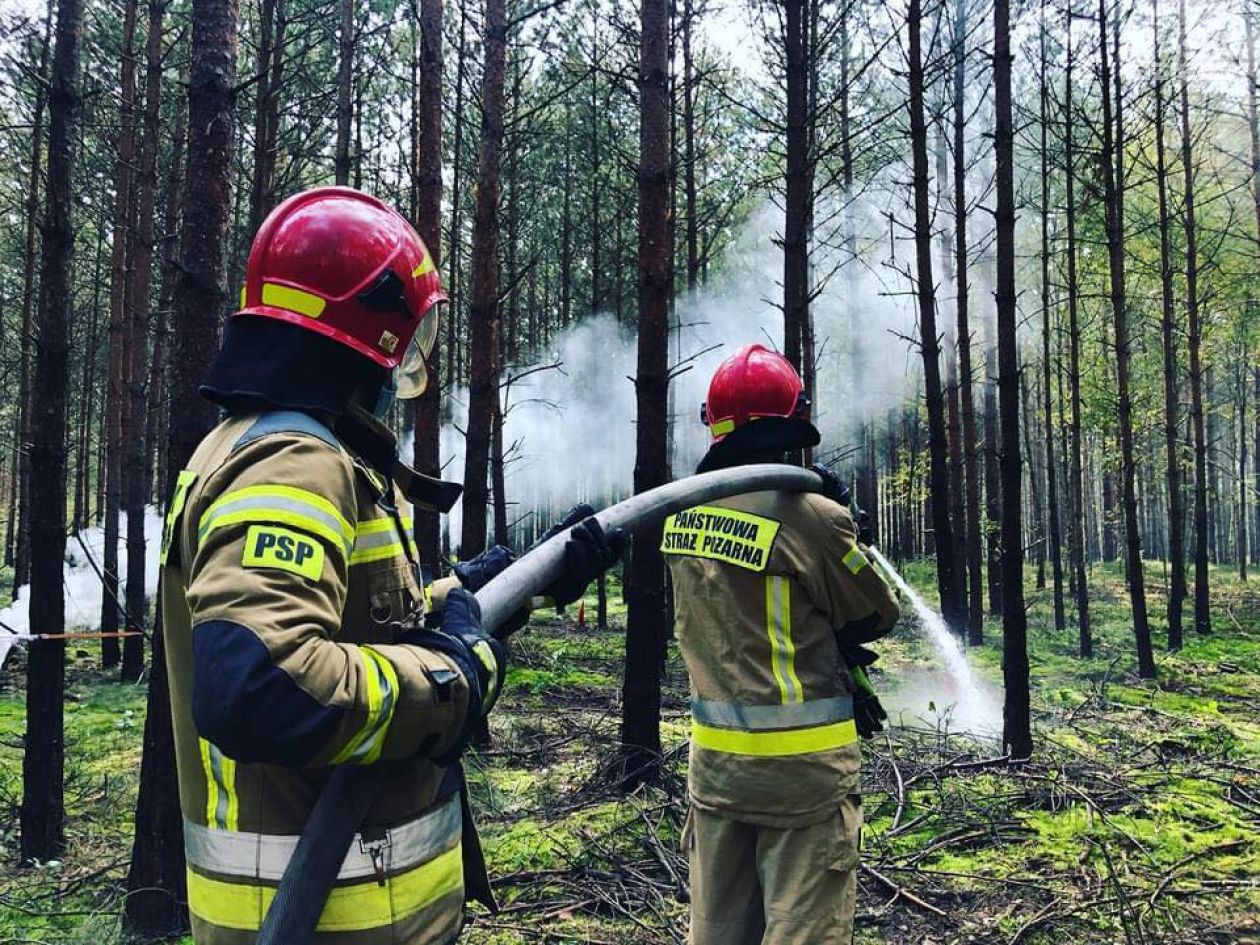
(382, 692)
(796, 741)
(353, 908)
(222, 801)
(779, 630)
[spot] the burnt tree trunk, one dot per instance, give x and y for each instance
(42, 817)
(648, 616)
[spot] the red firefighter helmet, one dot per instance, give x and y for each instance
(336, 261)
(753, 383)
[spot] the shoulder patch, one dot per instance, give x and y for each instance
(270, 546)
(286, 421)
(732, 537)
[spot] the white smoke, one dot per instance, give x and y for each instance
(569, 431)
(83, 588)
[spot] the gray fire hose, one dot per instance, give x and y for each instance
(343, 804)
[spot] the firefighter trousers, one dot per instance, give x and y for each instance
(755, 885)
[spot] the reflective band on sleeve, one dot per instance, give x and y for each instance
(779, 630)
(364, 905)
(294, 300)
(854, 560)
(182, 484)
(732, 537)
(260, 856)
(222, 803)
(382, 692)
(764, 718)
(279, 505)
(772, 744)
(378, 540)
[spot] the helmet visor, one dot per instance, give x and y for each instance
(412, 376)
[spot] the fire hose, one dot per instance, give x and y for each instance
(343, 804)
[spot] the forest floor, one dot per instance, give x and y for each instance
(1136, 821)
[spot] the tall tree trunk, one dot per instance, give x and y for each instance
(952, 606)
(22, 556)
(137, 489)
(270, 67)
(427, 215)
(1052, 488)
(42, 818)
(155, 883)
(1202, 605)
(648, 615)
(797, 196)
(992, 472)
(689, 83)
(1113, 193)
(483, 311)
(345, 91)
(1080, 585)
(1017, 731)
(1172, 389)
(115, 391)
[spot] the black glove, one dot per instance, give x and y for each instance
(865, 531)
(868, 714)
(834, 488)
(589, 552)
(479, 571)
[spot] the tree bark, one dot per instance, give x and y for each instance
(156, 890)
(42, 817)
(483, 310)
(797, 196)
(648, 616)
(345, 83)
(952, 606)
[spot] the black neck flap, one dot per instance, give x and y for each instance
(376, 444)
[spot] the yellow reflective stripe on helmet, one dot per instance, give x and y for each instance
(779, 630)
(722, 427)
(222, 802)
(279, 505)
(353, 908)
(426, 266)
(773, 744)
(854, 560)
(382, 693)
(377, 540)
(294, 300)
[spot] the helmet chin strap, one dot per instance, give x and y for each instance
(387, 397)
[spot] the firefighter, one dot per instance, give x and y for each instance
(774, 601)
(294, 606)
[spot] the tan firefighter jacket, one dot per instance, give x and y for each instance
(282, 572)
(764, 585)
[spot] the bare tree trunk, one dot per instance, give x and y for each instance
(1084, 633)
(42, 817)
(797, 196)
(427, 215)
(345, 91)
(270, 66)
(992, 472)
(952, 606)
(648, 617)
(483, 312)
(1172, 391)
(155, 883)
(689, 83)
(1202, 604)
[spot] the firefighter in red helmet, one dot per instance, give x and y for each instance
(774, 600)
(300, 633)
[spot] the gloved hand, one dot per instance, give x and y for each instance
(476, 573)
(865, 530)
(834, 487)
(589, 552)
(461, 620)
(868, 714)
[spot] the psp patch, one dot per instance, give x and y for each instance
(739, 538)
(269, 546)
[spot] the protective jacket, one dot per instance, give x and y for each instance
(766, 587)
(285, 575)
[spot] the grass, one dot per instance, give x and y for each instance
(1136, 821)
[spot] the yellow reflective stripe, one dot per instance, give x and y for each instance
(426, 265)
(722, 427)
(779, 630)
(295, 300)
(854, 560)
(185, 480)
(364, 747)
(279, 505)
(377, 540)
(357, 907)
(799, 741)
(222, 801)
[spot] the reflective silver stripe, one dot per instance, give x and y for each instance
(224, 794)
(783, 651)
(265, 856)
(764, 718)
(332, 525)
